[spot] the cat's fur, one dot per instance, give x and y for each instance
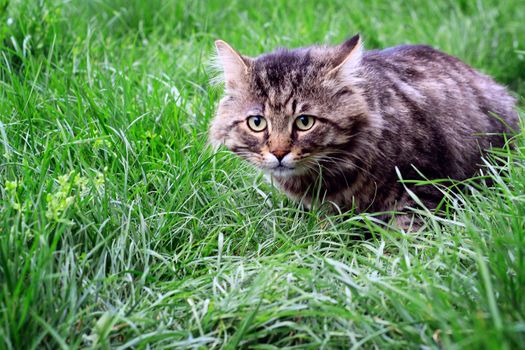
(410, 107)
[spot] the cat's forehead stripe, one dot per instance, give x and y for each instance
(282, 69)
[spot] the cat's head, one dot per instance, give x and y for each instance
(288, 110)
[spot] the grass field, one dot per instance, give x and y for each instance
(120, 229)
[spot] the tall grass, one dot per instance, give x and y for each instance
(120, 229)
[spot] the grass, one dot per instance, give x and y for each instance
(120, 229)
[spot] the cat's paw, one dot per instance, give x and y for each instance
(408, 223)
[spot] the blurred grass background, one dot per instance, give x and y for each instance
(119, 229)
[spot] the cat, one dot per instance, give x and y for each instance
(342, 125)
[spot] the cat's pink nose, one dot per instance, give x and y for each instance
(279, 154)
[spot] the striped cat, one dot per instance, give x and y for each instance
(337, 121)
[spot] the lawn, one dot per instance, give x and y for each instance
(120, 229)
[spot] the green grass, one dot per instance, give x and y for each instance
(120, 229)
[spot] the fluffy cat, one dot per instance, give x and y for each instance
(334, 122)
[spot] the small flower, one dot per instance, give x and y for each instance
(11, 186)
(100, 180)
(101, 144)
(64, 196)
(150, 135)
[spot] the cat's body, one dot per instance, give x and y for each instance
(408, 107)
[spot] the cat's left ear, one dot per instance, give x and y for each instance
(349, 57)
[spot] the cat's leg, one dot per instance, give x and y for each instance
(408, 222)
(428, 198)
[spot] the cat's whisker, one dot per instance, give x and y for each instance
(335, 171)
(338, 161)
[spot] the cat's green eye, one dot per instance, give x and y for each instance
(304, 122)
(257, 123)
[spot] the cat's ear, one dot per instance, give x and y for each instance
(234, 66)
(349, 57)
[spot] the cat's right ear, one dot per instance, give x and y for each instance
(234, 66)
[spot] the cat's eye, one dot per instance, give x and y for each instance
(257, 123)
(304, 122)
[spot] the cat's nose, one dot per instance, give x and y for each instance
(280, 154)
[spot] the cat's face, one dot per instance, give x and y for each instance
(289, 112)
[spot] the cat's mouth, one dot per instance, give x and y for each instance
(284, 171)
(281, 168)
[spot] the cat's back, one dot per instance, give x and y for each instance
(416, 54)
(416, 63)
(437, 83)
